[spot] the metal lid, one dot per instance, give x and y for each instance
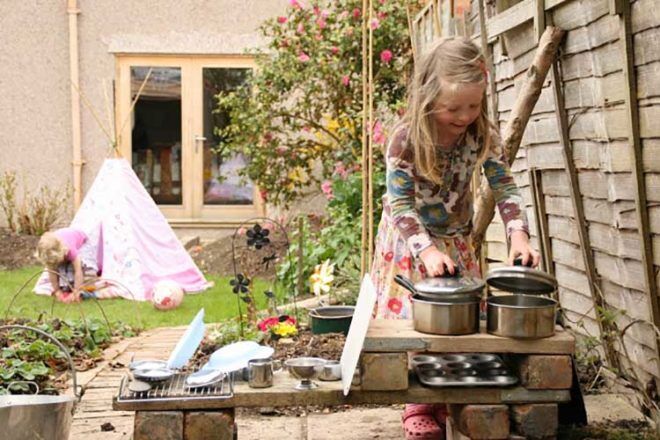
(442, 286)
(520, 279)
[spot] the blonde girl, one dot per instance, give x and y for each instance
(59, 252)
(444, 136)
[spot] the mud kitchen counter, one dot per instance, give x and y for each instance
(543, 367)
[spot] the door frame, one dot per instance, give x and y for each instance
(192, 212)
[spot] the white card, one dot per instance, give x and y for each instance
(357, 332)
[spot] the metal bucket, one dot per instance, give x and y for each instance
(29, 417)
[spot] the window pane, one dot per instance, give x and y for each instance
(156, 134)
(222, 184)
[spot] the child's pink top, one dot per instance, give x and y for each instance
(73, 239)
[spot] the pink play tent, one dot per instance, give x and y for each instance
(129, 237)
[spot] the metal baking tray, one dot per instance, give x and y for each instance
(462, 370)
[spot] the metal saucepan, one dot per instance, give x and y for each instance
(458, 316)
(521, 316)
(444, 288)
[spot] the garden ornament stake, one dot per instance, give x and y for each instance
(257, 238)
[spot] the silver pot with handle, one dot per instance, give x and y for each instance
(446, 305)
(525, 314)
(38, 416)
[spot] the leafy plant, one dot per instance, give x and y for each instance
(300, 113)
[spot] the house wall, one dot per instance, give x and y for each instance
(592, 61)
(35, 114)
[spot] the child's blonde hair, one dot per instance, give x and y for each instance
(51, 252)
(454, 61)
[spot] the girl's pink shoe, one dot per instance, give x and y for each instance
(419, 423)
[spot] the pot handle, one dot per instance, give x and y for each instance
(59, 345)
(518, 262)
(405, 283)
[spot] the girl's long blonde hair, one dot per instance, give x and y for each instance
(454, 61)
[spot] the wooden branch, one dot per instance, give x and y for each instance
(515, 126)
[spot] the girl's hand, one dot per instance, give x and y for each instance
(520, 248)
(435, 262)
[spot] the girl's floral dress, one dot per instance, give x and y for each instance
(418, 213)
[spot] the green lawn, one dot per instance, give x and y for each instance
(218, 302)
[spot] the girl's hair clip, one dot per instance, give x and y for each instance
(482, 66)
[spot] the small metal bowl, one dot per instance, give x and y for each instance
(155, 375)
(331, 371)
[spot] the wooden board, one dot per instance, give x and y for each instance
(386, 335)
(282, 393)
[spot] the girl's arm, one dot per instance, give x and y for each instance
(509, 203)
(400, 186)
(54, 282)
(77, 274)
(401, 198)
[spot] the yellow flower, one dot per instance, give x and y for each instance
(322, 277)
(284, 329)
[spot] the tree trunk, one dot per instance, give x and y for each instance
(515, 126)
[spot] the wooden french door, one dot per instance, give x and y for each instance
(167, 120)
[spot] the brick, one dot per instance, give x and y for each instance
(546, 372)
(481, 422)
(384, 371)
(209, 425)
(158, 425)
(537, 421)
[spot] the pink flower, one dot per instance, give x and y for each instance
(295, 4)
(317, 10)
(321, 23)
(357, 13)
(325, 13)
(300, 29)
(334, 50)
(375, 23)
(381, 15)
(386, 56)
(281, 150)
(303, 57)
(345, 80)
(378, 135)
(343, 15)
(395, 305)
(282, 20)
(340, 170)
(241, 231)
(326, 187)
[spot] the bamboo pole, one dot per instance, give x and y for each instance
(515, 126)
(580, 219)
(370, 143)
(636, 159)
(365, 126)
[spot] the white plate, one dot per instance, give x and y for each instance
(235, 356)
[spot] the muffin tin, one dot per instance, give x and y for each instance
(462, 370)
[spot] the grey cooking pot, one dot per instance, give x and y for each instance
(521, 316)
(29, 417)
(443, 288)
(458, 316)
(524, 314)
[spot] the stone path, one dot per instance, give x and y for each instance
(383, 423)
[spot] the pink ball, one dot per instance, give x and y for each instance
(167, 295)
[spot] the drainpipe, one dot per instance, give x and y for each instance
(77, 162)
